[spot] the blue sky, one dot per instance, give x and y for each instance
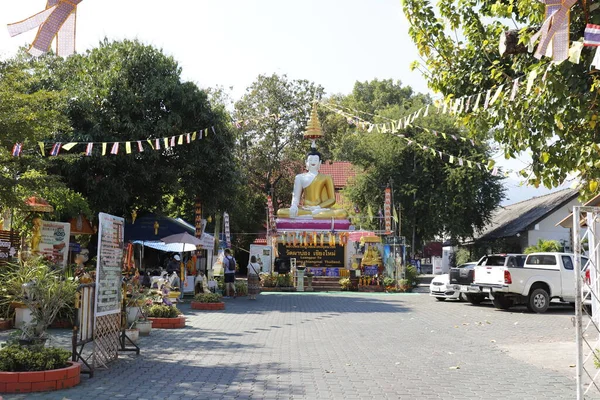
(230, 42)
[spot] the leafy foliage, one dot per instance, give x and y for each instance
(208, 298)
(544, 246)
(556, 120)
(437, 198)
(162, 311)
(16, 358)
(345, 283)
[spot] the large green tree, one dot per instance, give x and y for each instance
(556, 118)
(273, 115)
(28, 115)
(438, 198)
(128, 91)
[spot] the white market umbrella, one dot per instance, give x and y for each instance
(182, 239)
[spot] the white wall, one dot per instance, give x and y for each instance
(548, 229)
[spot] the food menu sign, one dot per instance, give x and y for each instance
(109, 264)
(54, 242)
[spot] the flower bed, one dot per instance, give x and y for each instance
(197, 305)
(168, 323)
(370, 288)
(40, 381)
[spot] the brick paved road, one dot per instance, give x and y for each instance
(343, 346)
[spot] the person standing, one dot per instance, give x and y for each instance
(254, 269)
(229, 264)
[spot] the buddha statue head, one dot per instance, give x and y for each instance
(313, 160)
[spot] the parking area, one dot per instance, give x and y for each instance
(347, 346)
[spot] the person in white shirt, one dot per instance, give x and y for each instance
(253, 279)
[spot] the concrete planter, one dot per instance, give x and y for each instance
(168, 323)
(133, 334)
(145, 327)
(40, 381)
(196, 305)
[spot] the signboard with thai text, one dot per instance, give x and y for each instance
(109, 264)
(314, 256)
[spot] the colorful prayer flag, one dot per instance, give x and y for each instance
(17, 148)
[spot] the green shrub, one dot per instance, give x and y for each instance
(163, 311)
(405, 285)
(463, 255)
(345, 283)
(220, 282)
(284, 280)
(268, 280)
(208, 298)
(411, 274)
(388, 281)
(16, 358)
(241, 288)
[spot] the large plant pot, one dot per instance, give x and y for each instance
(196, 305)
(133, 313)
(144, 327)
(22, 316)
(133, 334)
(40, 381)
(6, 324)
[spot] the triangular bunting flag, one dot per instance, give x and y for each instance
(497, 94)
(395, 215)
(426, 113)
(150, 143)
(213, 130)
(42, 150)
(180, 140)
(193, 136)
(69, 146)
(460, 161)
(88, 149)
(477, 100)
(470, 164)
(140, 148)
(468, 103)
(530, 80)
(188, 138)
(166, 142)
(486, 103)
(55, 149)
(172, 141)
(451, 160)
(515, 87)
(104, 148)
(115, 148)
(128, 147)
(17, 148)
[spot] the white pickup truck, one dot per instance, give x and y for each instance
(544, 276)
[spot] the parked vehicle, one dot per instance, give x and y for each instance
(543, 277)
(441, 289)
(464, 277)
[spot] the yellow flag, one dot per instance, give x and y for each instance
(180, 140)
(150, 143)
(370, 213)
(68, 146)
(103, 149)
(128, 147)
(166, 143)
(193, 136)
(41, 144)
(395, 215)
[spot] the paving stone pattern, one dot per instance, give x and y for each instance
(340, 346)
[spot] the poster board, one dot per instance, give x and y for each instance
(314, 256)
(54, 242)
(109, 264)
(264, 256)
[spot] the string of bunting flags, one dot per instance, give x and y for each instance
(449, 158)
(113, 148)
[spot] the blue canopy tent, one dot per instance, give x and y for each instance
(148, 229)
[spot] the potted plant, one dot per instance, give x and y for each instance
(165, 317)
(345, 283)
(404, 285)
(25, 361)
(241, 288)
(208, 301)
(43, 290)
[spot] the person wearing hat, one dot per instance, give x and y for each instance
(173, 265)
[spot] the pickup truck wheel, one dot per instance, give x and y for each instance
(474, 299)
(440, 298)
(538, 301)
(502, 302)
